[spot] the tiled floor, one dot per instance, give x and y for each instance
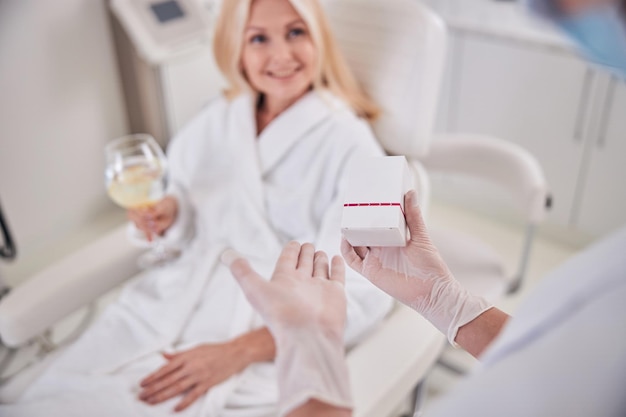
(546, 254)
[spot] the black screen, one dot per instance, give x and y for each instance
(167, 10)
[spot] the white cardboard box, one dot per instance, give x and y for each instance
(373, 212)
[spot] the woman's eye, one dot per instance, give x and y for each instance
(258, 39)
(294, 33)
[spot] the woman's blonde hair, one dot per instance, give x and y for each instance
(332, 70)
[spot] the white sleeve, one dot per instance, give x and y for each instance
(180, 159)
(563, 351)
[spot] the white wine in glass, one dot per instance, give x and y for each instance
(136, 178)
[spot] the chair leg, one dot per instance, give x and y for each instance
(419, 396)
(450, 366)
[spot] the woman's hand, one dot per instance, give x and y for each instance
(156, 219)
(193, 372)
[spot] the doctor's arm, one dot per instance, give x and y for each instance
(417, 276)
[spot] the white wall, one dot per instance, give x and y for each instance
(60, 101)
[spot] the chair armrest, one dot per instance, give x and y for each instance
(386, 366)
(65, 286)
(495, 160)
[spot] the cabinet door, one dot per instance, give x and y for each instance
(533, 96)
(188, 84)
(444, 107)
(603, 198)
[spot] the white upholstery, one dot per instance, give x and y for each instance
(495, 160)
(64, 287)
(386, 366)
(396, 48)
(477, 267)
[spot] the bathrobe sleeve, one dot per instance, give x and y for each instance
(184, 155)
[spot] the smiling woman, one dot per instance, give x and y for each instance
(280, 50)
(278, 57)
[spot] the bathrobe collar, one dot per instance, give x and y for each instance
(291, 125)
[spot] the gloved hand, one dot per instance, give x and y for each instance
(417, 276)
(305, 309)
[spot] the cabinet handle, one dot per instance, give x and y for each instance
(606, 112)
(582, 106)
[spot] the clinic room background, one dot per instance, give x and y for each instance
(63, 99)
(74, 75)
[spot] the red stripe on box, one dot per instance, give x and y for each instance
(374, 205)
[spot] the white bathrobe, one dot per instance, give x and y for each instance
(235, 190)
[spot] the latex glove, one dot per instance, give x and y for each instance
(417, 276)
(304, 307)
(192, 373)
(155, 220)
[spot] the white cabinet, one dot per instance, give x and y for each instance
(602, 205)
(187, 85)
(554, 104)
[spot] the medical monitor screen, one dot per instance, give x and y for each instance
(167, 10)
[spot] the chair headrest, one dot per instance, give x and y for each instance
(396, 49)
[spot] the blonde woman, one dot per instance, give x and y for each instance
(261, 165)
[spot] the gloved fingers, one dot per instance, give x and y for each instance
(352, 259)
(337, 270)
(288, 259)
(320, 265)
(249, 281)
(414, 220)
(305, 259)
(362, 251)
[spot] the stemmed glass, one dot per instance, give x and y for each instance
(136, 178)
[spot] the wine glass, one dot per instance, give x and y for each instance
(136, 178)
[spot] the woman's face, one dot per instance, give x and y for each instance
(278, 55)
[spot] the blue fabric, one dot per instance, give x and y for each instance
(599, 31)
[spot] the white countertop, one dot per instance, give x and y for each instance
(505, 19)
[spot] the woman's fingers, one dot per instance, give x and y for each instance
(166, 369)
(190, 397)
(170, 388)
(165, 377)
